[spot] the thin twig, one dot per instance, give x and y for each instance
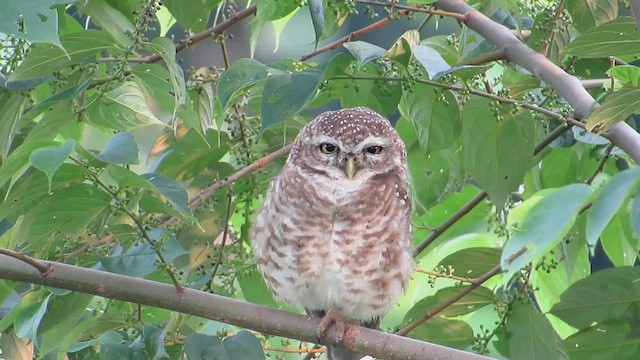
(450, 222)
(607, 155)
(446, 276)
(188, 41)
(202, 196)
(256, 165)
(417, 9)
(499, 98)
(500, 54)
(225, 53)
(43, 269)
(136, 220)
(225, 233)
(556, 133)
(354, 35)
(438, 309)
(554, 24)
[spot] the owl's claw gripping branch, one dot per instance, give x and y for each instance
(344, 325)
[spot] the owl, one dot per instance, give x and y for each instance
(333, 235)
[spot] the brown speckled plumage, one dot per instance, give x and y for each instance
(324, 241)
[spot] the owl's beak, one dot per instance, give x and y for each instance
(350, 168)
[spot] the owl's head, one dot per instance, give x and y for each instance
(354, 144)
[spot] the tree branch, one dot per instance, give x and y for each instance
(479, 281)
(194, 38)
(482, 195)
(202, 196)
(569, 87)
(215, 307)
(354, 35)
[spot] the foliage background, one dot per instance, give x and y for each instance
(116, 156)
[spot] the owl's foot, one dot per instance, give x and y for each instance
(346, 328)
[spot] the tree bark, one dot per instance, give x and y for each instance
(215, 307)
(569, 87)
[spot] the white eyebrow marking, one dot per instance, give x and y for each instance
(373, 141)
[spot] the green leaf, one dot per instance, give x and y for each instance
(192, 156)
(155, 80)
(532, 336)
(635, 214)
(107, 337)
(241, 75)
(540, 223)
(380, 96)
(166, 49)
(45, 59)
(152, 204)
(69, 210)
(562, 158)
(273, 10)
(447, 332)
(49, 159)
(193, 15)
(519, 83)
(64, 94)
(110, 115)
(52, 123)
(498, 153)
(254, 289)
(28, 320)
(122, 148)
(400, 51)
(431, 60)
(204, 103)
(31, 20)
(472, 262)
(626, 74)
(111, 20)
(17, 163)
(61, 316)
(141, 259)
(611, 198)
(12, 104)
(35, 188)
(121, 352)
(169, 188)
(124, 233)
(606, 294)
(286, 94)
(364, 51)
(127, 178)
(153, 337)
(476, 299)
(609, 340)
(617, 107)
(614, 38)
(588, 14)
(242, 346)
(131, 96)
(434, 116)
(316, 9)
(618, 241)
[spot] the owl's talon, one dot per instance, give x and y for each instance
(339, 320)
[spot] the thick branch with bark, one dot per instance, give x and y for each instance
(569, 87)
(215, 307)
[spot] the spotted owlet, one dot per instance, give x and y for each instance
(334, 233)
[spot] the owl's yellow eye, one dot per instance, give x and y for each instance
(328, 148)
(375, 150)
